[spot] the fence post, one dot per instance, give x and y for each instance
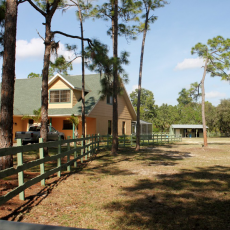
(68, 156)
(89, 149)
(98, 141)
(107, 140)
(161, 137)
(148, 139)
(42, 166)
(75, 153)
(82, 149)
(59, 159)
(20, 174)
(93, 147)
(131, 141)
(85, 147)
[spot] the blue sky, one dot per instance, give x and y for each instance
(168, 63)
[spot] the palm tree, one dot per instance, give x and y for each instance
(75, 121)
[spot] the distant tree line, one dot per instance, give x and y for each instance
(187, 111)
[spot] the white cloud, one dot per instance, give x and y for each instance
(133, 88)
(190, 63)
(35, 49)
(215, 94)
(69, 55)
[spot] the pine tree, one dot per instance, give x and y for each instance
(216, 55)
(149, 5)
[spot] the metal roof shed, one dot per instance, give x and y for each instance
(187, 130)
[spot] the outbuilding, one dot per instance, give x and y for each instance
(146, 128)
(187, 130)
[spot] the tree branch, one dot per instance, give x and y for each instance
(216, 66)
(40, 36)
(74, 2)
(37, 8)
(73, 36)
(21, 1)
(54, 7)
(73, 59)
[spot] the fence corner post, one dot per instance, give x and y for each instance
(42, 166)
(20, 174)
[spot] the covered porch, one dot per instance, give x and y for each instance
(187, 130)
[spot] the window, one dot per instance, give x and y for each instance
(109, 127)
(67, 125)
(57, 96)
(109, 100)
(123, 127)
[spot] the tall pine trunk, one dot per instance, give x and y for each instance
(115, 79)
(83, 75)
(45, 76)
(8, 79)
(139, 82)
(203, 106)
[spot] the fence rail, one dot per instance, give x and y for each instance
(75, 150)
(130, 140)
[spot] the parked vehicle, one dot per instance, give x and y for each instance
(33, 135)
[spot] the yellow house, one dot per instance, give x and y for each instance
(65, 100)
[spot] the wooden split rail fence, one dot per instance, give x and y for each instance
(75, 149)
(130, 140)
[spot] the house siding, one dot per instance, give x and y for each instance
(106, 110)
(76, 96)
(19, 125)
(57, 123)
(103, 113)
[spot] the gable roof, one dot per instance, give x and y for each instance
(27, 95)
(187, 126)
(93, 85)
(72, 81)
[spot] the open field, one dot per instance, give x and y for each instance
(172, 186)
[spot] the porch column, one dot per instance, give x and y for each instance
(50, 123)
(73, 131)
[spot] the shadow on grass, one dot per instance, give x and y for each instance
(191, 199)
(146, 157)
(34, 200)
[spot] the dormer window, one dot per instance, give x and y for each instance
(60, 96)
